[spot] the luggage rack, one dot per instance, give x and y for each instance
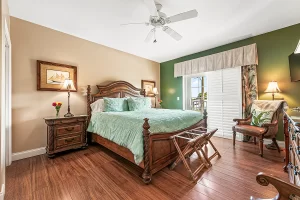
(196, 139)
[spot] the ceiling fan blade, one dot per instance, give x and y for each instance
(145, 23)
(150, 35)
(152, 8)
(182, 16)
(172, 33)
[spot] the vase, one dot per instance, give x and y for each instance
(57, 112)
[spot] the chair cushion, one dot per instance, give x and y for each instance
(250, 130)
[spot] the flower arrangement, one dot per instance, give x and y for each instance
(57, 106)
(160, 102)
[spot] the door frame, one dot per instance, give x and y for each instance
(6, 62)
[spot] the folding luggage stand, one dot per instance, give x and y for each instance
(197, 138)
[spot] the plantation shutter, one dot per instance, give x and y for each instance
(224, 100)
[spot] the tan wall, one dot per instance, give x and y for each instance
(95, 63)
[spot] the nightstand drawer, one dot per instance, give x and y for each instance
(68, 141)
(68, 129)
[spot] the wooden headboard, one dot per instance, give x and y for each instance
(117, 89)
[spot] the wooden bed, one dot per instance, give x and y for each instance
(159, 151)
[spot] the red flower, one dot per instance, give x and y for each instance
(54, 104)
(59, 104)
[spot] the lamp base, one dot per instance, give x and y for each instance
(69, 115)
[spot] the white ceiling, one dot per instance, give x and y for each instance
(219, 22)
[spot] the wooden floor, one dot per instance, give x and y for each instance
(96, 173)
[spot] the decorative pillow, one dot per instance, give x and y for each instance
(98, 106)
(260, 117)
(115, 104)
(139, 103)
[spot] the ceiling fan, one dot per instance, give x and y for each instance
(159, 19)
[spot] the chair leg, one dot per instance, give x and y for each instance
(234, 136)
(276, 144)
(254, 139)
(261, 145)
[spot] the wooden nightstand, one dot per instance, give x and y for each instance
(64, 133)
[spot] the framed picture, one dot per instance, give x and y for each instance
(148, 86)
(51, 76)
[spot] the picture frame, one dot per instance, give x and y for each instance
(51, 76)
(148, 86)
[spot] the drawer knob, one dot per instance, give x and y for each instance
(69, 140)
(69, 128)
(291, 147)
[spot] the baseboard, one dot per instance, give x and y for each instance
(28, 153)
(2, 192)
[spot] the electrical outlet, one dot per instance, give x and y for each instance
(178, 99)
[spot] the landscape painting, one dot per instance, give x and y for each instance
(51, 76)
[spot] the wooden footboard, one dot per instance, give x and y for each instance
(159, 150)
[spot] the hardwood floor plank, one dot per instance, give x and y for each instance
(254, 188)
(97, 173)
(195, 195)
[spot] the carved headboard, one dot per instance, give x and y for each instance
(117, 89)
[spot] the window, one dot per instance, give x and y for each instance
(196, 92)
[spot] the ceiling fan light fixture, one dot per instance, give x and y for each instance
(159, 19)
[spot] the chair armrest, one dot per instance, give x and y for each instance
(270, 124)
(243, 121)
(284, 189)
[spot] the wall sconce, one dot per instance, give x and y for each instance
(273, 88)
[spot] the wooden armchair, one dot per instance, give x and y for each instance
(267, 130)
(286, 191)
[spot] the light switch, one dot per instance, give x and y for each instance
(177, 98)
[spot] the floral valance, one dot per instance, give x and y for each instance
(246, 55)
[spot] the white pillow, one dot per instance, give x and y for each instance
(98, 106)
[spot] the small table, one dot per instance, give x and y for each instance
(64, 133)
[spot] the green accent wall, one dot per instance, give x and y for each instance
(273, 51)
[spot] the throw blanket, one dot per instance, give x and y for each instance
(125, 128)
(268, 105)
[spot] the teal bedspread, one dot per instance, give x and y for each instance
(125, 128)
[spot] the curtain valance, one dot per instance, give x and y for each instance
(246, 55)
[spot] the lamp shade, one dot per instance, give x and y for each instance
(68, 85)
(273, 87)
(155, 91)
(297, 50)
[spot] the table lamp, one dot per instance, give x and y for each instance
(273, 88)
(155, 92)
(68, 85)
